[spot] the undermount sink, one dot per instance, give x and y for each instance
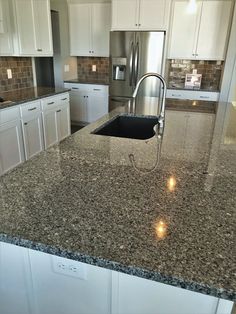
(129, 126)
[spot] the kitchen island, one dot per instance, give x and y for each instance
(167, 215)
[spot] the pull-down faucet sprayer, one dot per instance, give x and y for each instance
(161, 114)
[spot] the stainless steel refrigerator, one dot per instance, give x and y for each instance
(133, 54)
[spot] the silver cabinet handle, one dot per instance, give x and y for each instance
(31, 109)
(176, 95)
(51, 103)
(205, 97)
(59, 110)
(74, 87)
(97, 89)
(64, 99)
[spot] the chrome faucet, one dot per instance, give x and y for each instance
(161, 119)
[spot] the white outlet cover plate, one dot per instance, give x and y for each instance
(69, 267)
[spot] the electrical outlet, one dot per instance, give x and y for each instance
(9, 74)
(69, 267)
(66, 68)
(94, 68)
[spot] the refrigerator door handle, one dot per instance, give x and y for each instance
(136, 59)
(131, 60)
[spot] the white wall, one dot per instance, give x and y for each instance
(62, 58)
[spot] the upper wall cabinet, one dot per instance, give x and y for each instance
(33, 28)
(140, 14)
(6, 44)
(199, 32)
(89, 29)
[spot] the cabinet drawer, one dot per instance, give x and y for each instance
(76, 87)
(9, 114)
(63, 98)
(49, 103)
(99, 89)
(192, 95)
(30, 108)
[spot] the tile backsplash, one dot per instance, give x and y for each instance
(85, 69)
(22, 73)
(211, 73)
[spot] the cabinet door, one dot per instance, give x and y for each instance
(133, 295)
(153, 14)
(63, 122)
(213, 30)
(24, 13)
(184, 28)
(15, 283)
(43, 33)
(101, 23)
(50, 128)
(97, 106)
(32, 135)
(80, 29)
(11, 145)
(61, 291)
(125, 14)
(6, 45)
(78, 107)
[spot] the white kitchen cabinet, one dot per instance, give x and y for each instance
(11, 143)
(6, 43)
(50, 128)
(89, 29)
(87, 290)
(33, 35)
(32, 134)
(140, 14)
(192, 94)
(56, 118)
(133, 295)
(15, 284)
(31, 119)
(88, 102)
(201, 34)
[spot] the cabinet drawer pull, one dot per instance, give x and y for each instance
(59, 110)
(39, 49)
(31, 109)
(176, 95)
(25, 123)
(205, 97)
(74, 87)
(64, 99)
(97, 89)
(51, 103)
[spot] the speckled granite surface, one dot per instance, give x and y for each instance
(28, 94)
(80, 81)
(169, 216)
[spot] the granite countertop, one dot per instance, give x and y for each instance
(88, 81)
(169, 216)
(23, 95)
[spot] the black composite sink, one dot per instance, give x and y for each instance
(129, 126)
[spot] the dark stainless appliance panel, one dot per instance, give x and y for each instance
(122, 46)
(149, 51)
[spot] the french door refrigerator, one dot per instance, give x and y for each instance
(133, 54)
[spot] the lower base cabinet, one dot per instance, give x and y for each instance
(32, 134)
(42, 283)
(11, 145)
